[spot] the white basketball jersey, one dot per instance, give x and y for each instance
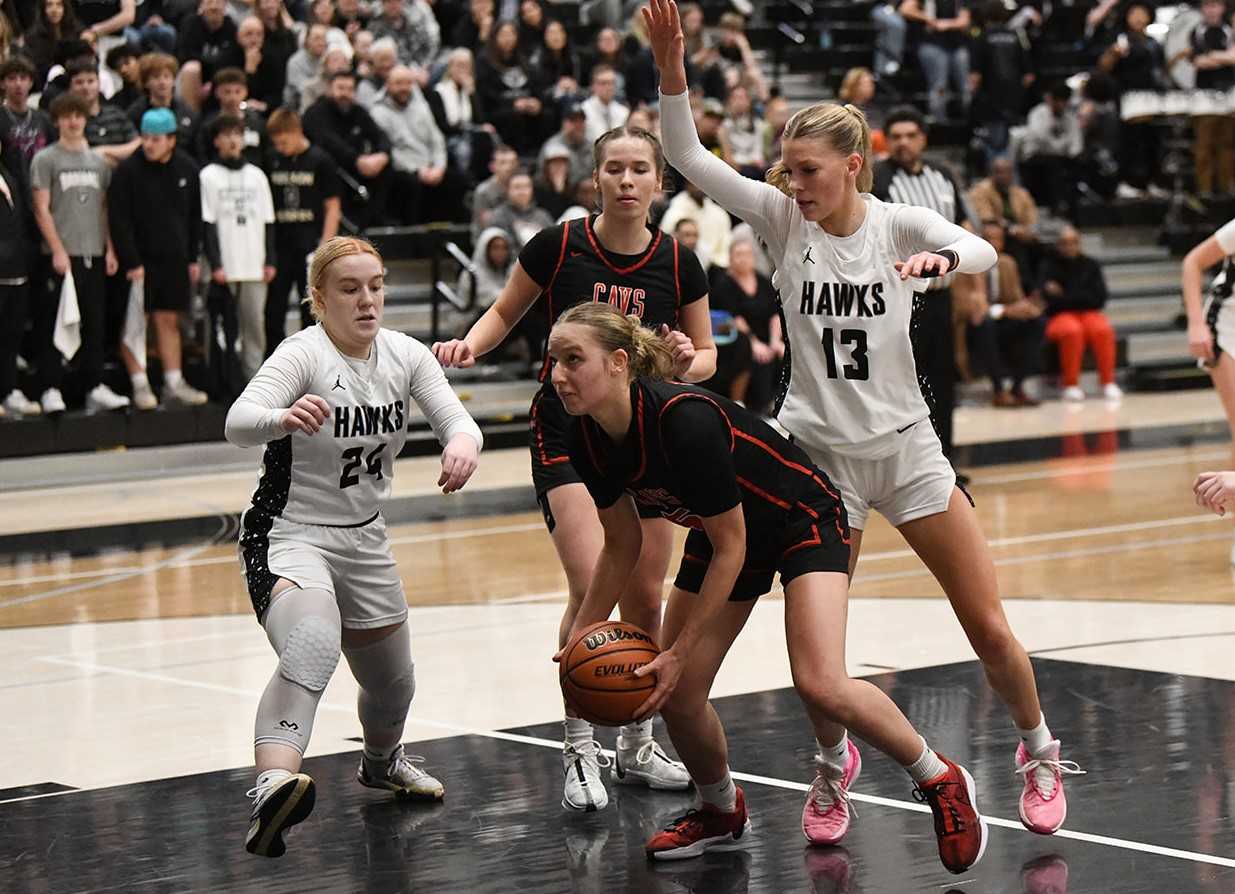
(342, 474)
(852, 384)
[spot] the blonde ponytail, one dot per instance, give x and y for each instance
(844, 128)
(649, 354)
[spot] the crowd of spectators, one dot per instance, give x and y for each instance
(244, 132)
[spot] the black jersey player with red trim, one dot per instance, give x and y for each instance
(690, 455)
(612, 259)
(757, 506)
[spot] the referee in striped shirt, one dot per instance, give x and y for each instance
(907, 178)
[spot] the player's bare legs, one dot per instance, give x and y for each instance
(578, 538)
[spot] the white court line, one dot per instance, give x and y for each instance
(1069, 471)
(773, 782)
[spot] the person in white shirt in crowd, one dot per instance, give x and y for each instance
(383, 57)
(331, 407)
(239, 235)
(602, 110)
(745, 135)
(1050, 150)
(70, 207)
(715, 226)
(425, 188)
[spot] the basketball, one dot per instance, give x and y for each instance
(598, 672)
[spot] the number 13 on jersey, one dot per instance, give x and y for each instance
(854, 340)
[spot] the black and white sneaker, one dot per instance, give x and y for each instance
(279, 804)
(584, 789)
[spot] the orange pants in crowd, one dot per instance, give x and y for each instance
(1071, 331)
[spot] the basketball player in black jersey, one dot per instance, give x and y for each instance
(756, 505)
(611, 258)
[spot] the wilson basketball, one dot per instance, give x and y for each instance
(598, 672)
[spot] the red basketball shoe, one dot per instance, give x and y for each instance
(958, 825)
(699, 830)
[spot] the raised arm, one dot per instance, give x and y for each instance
(769, 211)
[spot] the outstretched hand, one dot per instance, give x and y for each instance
(664, 29)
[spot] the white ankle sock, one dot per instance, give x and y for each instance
(274, 775)
(837, 755)
(722, 794)
(140, 381)
(578, 731)
(927, 766)
(172, 378)
(1037, 738)
(635, 735)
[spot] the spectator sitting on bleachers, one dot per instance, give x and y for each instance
(265, 72)
(321, 12)
(858, 88)
(531, 25)
(472, 31)
(745, 135)
(737, 60)
(715, 226)
(1050, 151)
(520, 215)
(1137, 62)
(998, 199)
(55, 21)
(492, 257)
(424, 186)
(553, 186)
(642, 79)
(305, 187)
(207, 41)
(105, 18)
(1005, 328)
(18, 249)
(703, 68)
(556, 64)
(1074, 290)
(708, 120)
(413, 27)
(67, 53)
(351, 17)
(1210, 49)
(491, 193)
(776, 113)
(509, 92)
(891, 33)
(1001, 71)
(125, 61)
(383, 57)
(1098, 115)
(573, 140)
(585, 201)
(751, 298)
(158, 72)
(108, 129)
(305, 67)
(24, 130)
(943, 51)
(601, 109)
(460, 117)
(149, 30)
(334, 62)
(281, 39)
(733, 362)
(349, 135)
(607, 49)
(231, 90)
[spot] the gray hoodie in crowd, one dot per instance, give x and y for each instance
(415, 139)
(489, 279)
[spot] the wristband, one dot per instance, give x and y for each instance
(952, 258)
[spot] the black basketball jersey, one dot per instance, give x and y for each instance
(571, 266)
(691, 454)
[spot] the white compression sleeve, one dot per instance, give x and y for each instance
(921, 229)
(282, 380)
(769, 211)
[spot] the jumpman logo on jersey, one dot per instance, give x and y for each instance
(338, 383)
(806, 258)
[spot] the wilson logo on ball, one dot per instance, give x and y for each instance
(613, 635)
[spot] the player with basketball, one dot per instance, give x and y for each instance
(756, 505)
(331, 406)
(614, 258)
(848, 266)
(1211, 326)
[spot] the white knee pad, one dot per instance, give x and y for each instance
(311, 653)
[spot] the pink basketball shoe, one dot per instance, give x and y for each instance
(1043, 804)
(825, 816)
